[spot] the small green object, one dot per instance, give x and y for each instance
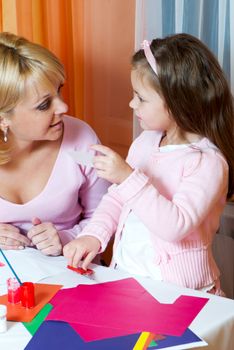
(153, 343)
(33, 326)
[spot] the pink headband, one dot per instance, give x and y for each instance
(149, 56)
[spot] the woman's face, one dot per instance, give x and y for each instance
(38, 116)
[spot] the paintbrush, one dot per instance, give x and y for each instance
(11, 268)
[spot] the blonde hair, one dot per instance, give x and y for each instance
(20, 60)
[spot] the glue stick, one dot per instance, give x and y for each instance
(3, 320)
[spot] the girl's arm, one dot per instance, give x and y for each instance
(203, 183)
(196, 196)
(104, 222)
(96, 234)
(90, 195)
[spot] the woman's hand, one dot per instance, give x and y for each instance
(83, 248)
(11, 238)
(110, 165)
(45, 237)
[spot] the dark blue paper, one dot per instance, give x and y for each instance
(60, 335)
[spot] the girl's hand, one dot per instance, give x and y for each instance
(45, 237)
(11, 238)
(83, 248)
(110, 165)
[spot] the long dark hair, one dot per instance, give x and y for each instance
(194, 89)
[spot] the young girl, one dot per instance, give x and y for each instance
(167, 198)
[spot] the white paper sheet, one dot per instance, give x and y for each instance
(30, 265)
(82, 158)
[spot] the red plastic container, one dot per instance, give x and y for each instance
(27, 295)
(13, 291)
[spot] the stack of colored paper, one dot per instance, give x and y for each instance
(112, 315)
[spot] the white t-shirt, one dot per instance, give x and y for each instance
(135, 253)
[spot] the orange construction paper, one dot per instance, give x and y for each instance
(43, 294)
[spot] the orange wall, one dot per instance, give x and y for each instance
(58, 25)
(108, 46)
(95, 40)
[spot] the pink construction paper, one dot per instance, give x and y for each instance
(63, 295)
(128, 285)
(85, 331)
(107, 309)
(92, 333)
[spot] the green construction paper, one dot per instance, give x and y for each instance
(153, 343)
(33, 326)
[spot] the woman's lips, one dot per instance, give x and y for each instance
(55, 124)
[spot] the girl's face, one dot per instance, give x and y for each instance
(148, 106)
(38, 116)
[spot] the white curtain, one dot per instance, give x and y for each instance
(212, 21)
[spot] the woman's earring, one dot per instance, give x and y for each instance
(5, 131)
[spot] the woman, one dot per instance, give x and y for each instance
(46, 198)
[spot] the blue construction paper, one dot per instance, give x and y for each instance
(188, 337)
(60, 336)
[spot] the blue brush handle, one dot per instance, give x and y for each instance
(12, 270)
